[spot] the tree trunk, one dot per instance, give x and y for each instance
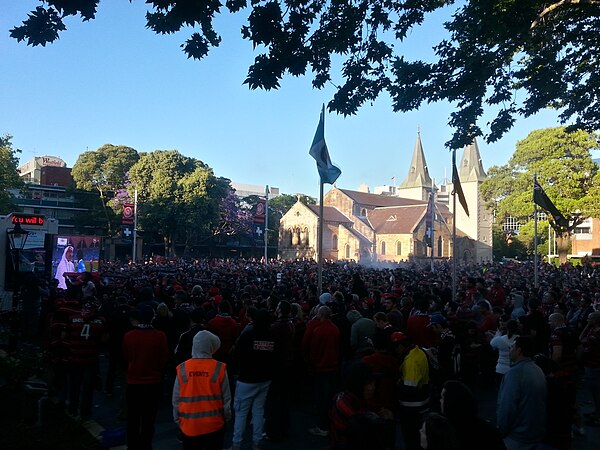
(104, 209)
(562, 242)
(188, 239)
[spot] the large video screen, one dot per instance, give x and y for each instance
(75, 253)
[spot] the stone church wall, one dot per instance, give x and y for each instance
(297, 233)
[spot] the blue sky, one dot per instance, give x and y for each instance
(112, 80)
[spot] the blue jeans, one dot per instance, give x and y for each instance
(249, 395)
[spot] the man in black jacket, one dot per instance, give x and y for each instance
(255, 351)
(278, 401)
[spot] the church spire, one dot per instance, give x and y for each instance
(471, 168)
(418, 175)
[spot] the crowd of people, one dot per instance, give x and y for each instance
(381, 349)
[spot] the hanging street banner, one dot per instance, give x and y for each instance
(428, 222)
(127, 233)
(128, 214)
(258, 214)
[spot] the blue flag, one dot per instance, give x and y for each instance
(318, 150)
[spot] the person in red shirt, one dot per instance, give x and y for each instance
(497, 294)
(417, 326)
(386, 371)
(226, 329)
(146, 353)
(83, 336)
(321, 345)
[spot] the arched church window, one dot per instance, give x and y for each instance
(439, 247)
(363, 212)
(382, 248)
(398, 248)
(296, 236)
(347, 251)
(334, 243)
(304, 236)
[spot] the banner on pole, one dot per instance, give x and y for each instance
(128, 214)
(259, 216)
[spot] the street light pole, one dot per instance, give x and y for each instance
(16, 240)
(17, 237)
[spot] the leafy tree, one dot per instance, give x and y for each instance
(234, 219)
(565, 170)
(105, 171)
(278, 206)
(281, 204)
(506, 245)
(9, 174)
(546, 50)
(93, 219)
(178, 197)
(526, 237)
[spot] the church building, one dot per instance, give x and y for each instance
(362, 226)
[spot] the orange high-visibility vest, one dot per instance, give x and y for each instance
(200, 409)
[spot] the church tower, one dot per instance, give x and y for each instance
(417, 184)
(478, 225)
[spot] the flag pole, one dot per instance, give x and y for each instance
(454, 281)
(328, 173)
(535, 239)
(549, 239)
(134, 249)
(320, 241)
(433, 192)
(266, 220)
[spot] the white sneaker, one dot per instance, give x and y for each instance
(316, 431)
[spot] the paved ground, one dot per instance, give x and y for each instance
(107, 416)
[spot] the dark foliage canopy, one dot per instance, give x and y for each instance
(496, 53)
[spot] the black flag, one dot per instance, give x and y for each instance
(541, 199)
(457, 186)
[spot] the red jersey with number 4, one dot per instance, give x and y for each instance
(83, 340)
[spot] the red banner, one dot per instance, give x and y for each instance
(128, 214)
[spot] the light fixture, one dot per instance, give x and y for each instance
(17, 237)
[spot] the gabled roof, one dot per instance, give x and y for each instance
(359, 236)
(376, 200)
(330, 214)
(471, 168)
(418, 175)
(397, 220)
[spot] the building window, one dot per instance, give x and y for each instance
(510, 224)
(363, 212)
(582, 230)
(382, 248)
(335, 242)
(439, 247)
(304, 236)
(398, 248)
(347, 251)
